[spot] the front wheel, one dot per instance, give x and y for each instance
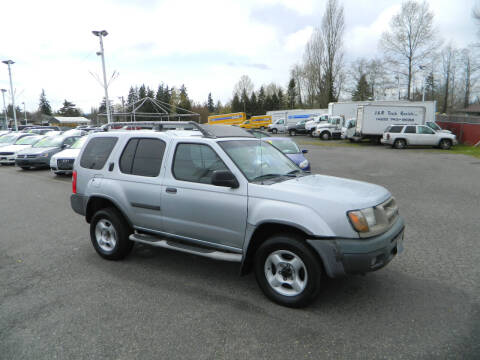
(312, 132)
(292, 132)
(274, 131)
(325, 135)
(287, 271)
(445, 144)
(109, 234)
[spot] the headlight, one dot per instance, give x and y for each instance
(45, 155)
(374, 220)
(303, 164)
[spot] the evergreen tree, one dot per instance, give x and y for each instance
(184, 101)
(430, 87)
(167, 95)
(281, 99)
(261, 101)
(268, 105)
(142, 92)
(291, 94)
(237, 106)
(210, 105)
(103, 106)
(132, 95)
(68, 109)
(275, 102)
(363, 90)
(254, 104)
(245, 102)
(160, 93)
(44, 106)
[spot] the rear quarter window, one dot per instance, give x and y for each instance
(97, 152)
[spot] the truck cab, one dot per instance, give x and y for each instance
(311, 125)
(349, 129)
(332, 129)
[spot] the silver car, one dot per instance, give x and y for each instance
(220, 193)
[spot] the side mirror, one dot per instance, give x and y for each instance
(224, 178)
(304, 151)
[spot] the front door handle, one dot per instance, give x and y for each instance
(171, 190)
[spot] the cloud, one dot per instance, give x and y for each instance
(296, 42)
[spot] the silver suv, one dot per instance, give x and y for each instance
(401, 136)
(218, 192)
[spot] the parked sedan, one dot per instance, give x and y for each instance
(290, 148)
(62, 162)
(38, 156)
(9, 153)
(10, 138)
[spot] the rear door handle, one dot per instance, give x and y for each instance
(171, 190)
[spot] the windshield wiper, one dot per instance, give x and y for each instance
(266, 176)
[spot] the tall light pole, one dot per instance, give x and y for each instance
(10, 62)
(423, 67)
(4, 108)
(397, 77)
(101, 34)
(24, 112)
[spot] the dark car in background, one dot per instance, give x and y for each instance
(298, 128)
(291, 149)
(38, 156)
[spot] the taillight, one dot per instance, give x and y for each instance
(74, 182)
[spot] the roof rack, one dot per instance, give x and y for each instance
(208, 131)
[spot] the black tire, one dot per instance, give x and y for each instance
(25, 167)
(312, 270)
(274, 131)
(400, 144)
(352, 140)
(292, 132)
(123, 245)
(445, 144)
(312, 131)
(325, 135)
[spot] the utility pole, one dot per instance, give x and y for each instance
(10, 62)
(101, 34)
(25, 112)
(4, 108)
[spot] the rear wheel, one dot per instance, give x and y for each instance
(287, 271)
(445, 144)
(109, 234)
(292, 132)
(400, 144)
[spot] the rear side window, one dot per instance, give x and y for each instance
(395, 129)
(97, 152)
(196, 163)
(142, 157)
(410, 130)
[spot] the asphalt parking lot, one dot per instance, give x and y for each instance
(59, 299)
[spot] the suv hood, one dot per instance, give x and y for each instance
(323, 193)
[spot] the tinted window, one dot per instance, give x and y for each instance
(410, 130)
(196, 163)
(97, 152)
(395, 129)
(142, 157)
(425, 130)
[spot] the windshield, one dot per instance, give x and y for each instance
(258, 160)
(49, 142)
(433, 126)
(79, 143)
(8, 139)
(286, 146)
(28, 140)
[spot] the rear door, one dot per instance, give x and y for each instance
(410, 134)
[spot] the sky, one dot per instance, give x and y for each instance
(206, 45)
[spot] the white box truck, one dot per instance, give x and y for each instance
(282, 118)
(372, 120)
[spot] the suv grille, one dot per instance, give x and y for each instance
(65, 164)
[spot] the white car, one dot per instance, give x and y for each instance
(62, 162)
(401, 136)
(9, 152)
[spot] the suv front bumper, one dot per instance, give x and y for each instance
(358, 256)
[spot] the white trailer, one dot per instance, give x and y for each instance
(348, 109)
(282, 118)
(372, 120)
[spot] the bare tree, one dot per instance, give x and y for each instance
(470, 69)
(297, 74)
(243, 86)
(332, 32)
(410, 39)
(448, 59)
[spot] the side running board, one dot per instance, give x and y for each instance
(189, 249)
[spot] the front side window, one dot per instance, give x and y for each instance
(258, 160)
(425, 130)
(97, 152)
(410, 130)
(196, 163)
(142, 157)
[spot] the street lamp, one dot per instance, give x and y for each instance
(101, 34)
(8, 63)
(24, 112)
(4, 108)
(423, 67)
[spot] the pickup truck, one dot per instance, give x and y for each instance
(220, 193)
